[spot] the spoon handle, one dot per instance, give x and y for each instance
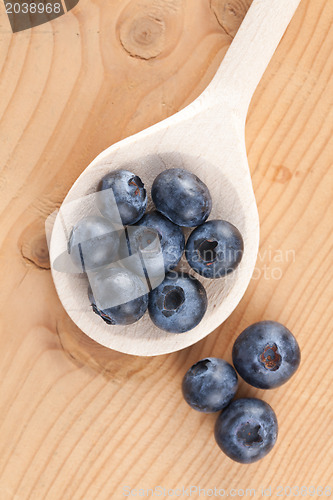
(250, 52)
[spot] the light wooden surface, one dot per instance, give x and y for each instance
(81, 422)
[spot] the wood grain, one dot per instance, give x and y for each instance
(81, 422)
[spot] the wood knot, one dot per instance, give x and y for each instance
(230, 13)
(282, 174)
(143, 37)
(33, 246)
(143, 29)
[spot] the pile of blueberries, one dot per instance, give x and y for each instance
(118, 291)
(266, 355)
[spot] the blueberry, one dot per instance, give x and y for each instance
(210, 385)
(246, 430)
(182, 197)
(214, 249)
(266, 354)
(128, 193)
(160, 241)
(178, 304)
(93, 242)
(118, 296)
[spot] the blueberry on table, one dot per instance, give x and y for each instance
(93, 242)
(178, 304)
(117, 296)
(246, 430)
(160, 241)
(266, 354)
(182, 197)
(214, 249)
(210, 385)
(127, 190)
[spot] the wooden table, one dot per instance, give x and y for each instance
(79, 421)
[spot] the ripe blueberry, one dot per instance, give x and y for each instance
(266, 354)
(246, 430)
(178, 304)
(93, 242)
(128, 193)
(118, 297)
(182, 197)
(214, 249)
(160, 241)
(210, 385)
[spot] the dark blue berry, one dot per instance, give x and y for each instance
(182, 197)
(178, 304)
(117, 296)
(210, 385)
(214, 249)
(160, 241)
(246, 430)
(93, 243)
(127, 190)
(266, 354)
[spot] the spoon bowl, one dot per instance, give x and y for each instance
(208, 139)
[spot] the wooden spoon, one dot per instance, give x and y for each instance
(208, 139)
